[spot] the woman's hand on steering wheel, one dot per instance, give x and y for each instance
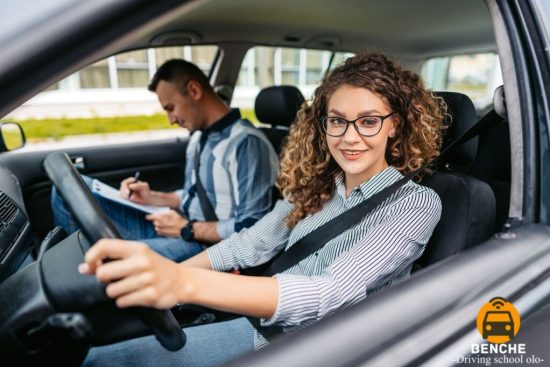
(138, 277)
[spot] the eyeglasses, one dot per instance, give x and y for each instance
(364, 125)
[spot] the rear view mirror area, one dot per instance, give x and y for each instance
(11, 136)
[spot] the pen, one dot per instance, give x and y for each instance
(136, 178)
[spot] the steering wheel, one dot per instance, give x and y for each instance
(96, 225)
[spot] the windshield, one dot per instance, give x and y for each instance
(14, 20)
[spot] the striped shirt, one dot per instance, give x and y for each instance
(370, 256)
(238, 168)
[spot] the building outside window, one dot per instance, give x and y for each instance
(266, 66)
(476, 75)
(115, 86)
(132, 69)
(111, 96)
(95, 76)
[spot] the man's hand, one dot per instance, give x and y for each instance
(138, 192)
(138, 277)
(168, 223)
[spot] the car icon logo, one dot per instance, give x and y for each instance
(498, 323)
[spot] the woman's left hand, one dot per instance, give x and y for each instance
(138, 276)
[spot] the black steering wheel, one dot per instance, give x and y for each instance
(96, 225)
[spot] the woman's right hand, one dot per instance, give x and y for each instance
(138, 192)
(138, 276)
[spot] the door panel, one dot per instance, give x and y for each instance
(161, 163)
(409, 323)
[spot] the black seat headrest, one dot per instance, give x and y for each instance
(463, 117)
(278, 105)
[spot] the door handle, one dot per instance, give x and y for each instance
(78, 163)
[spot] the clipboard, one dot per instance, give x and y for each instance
(112, 194)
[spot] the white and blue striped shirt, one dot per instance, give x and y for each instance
(370, 256)
(238, 168)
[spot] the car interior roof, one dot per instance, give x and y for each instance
(413, 30)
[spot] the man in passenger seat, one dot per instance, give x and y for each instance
(370, 122)
(237, 169)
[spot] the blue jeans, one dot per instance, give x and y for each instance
(131, 224)
(207, 345)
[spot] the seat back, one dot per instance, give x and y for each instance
(277, 106)
(467, 216)
(468, 204)
(493, 166)
(493, 162)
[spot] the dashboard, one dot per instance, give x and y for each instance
(14, 225)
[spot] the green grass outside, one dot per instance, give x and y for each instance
(39, 130)
(472, 90)
(463, 86)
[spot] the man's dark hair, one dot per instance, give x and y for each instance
(180, 72)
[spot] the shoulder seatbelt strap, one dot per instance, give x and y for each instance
(206, 205)
(320, 236)
(490, 118)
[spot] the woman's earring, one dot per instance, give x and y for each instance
(392, 134)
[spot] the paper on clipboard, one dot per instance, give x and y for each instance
(113, 194)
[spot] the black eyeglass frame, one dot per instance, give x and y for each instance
(348, 122)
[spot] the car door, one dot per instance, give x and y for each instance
(160, 162)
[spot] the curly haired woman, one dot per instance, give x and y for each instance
(370, 122)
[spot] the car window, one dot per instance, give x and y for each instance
(544, 11)
(266, 66)
(543, 21)
(106, 102)
(476, 75)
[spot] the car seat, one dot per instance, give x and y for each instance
(462, 116)
(493, 160)
(278, 106)
(468, 203)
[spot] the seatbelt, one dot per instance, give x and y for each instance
(490, 118)
(321, 235)
(206, 205)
